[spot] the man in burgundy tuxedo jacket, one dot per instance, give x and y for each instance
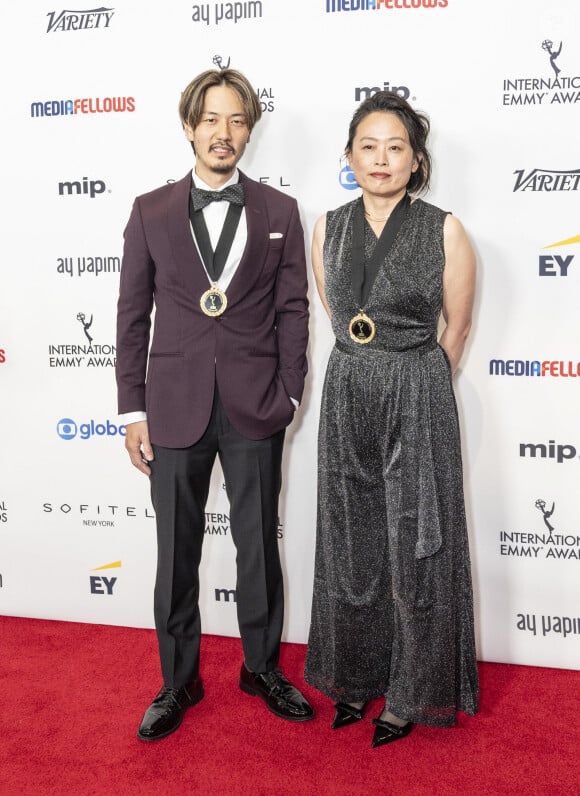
(221, 258)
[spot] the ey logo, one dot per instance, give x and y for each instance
(556, 265)
(99, 583)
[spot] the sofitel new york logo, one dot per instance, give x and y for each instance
(97, 515)
(88, 355)
(554, 89)
(61, 21)
(549, 544)
(226, 12)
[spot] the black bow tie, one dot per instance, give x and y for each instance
(234, 194)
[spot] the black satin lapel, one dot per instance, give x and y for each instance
(254, 255)
(184, 250)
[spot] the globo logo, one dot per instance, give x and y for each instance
(68, 429)
(347, 179)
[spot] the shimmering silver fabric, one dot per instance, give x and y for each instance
(392, 610)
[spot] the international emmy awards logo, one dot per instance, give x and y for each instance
(217, 61)
(81, 318)
(547, 46)
(546, 513)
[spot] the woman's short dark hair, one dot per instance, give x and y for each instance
(416, 124)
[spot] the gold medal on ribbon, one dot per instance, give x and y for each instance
(213, 302)
(362, 328)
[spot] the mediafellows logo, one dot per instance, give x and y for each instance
(552, 88)
(546, 180)
(217, 13)
(554, 368)
(333, 6)
(83, 105)
(69, 429)
(91, 18)
(2, 356)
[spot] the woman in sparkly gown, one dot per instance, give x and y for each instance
(392, 612)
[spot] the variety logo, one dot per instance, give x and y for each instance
(68, 429)
(3, 511)
(560, 453)
(545, 544)
(97, 515)
(533, 367)
(546, 180)
(88, 187)
(89, 355)
(88, 266)
(104, 585)
(553, 89)
(362, 93)
(556, 265)
(333, 6)
(42, 108)
(217, 13)
(61, 21)
(347, 179)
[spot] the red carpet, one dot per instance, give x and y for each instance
(73, 696)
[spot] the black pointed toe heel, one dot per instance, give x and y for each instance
(346, 714)
(385, 732)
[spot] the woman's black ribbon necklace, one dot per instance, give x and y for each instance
(361, 328)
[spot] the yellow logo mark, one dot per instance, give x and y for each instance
(567, 242)
(112, 565)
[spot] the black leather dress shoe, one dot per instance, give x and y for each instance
(385, 732)
(280, 696)
(165, 713)
(345, 714)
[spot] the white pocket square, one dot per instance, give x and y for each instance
(276, 235)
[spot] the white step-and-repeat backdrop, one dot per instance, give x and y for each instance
(90, 120)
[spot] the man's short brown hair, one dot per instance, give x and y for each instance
(193, 96)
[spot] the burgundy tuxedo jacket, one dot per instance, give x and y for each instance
(256, 350)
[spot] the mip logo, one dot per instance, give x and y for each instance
(87, 187)
(347, 179)
(67, 429)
